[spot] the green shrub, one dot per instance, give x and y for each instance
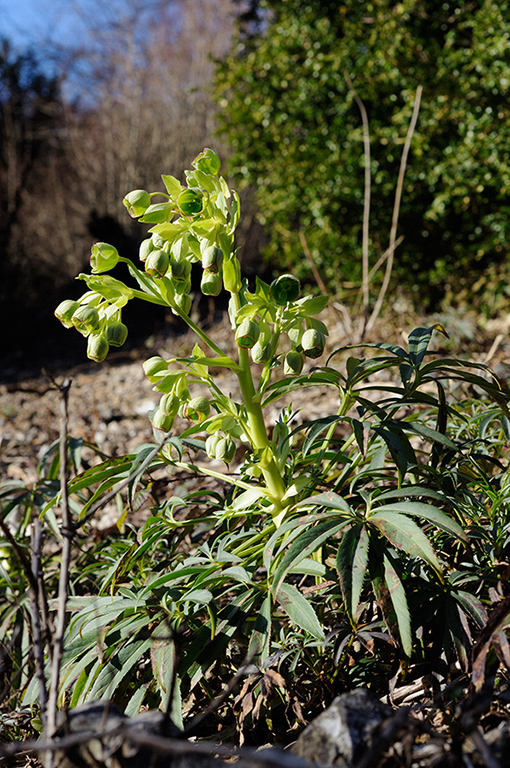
(296, 134)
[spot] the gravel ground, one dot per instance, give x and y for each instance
(108, 403)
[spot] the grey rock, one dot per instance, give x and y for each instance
(346, 729)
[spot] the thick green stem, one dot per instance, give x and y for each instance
(257, 427)
(258, 434)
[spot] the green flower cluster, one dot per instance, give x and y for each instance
(97, 315)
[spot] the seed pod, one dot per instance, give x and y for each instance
(157, 263)
(211, 283)
(146, 246)
(183, 302)
(137, 202)
(207, 162)
(116, 334)
(212, 258)
(97, 347)
(313, 343)
(154, 366)
(262, 352)
(284, 289)
(197, 409)
(163, 421)
(190, 202)
(103, 257)
(169, 403)
(293, 363)
(247, 333)
(86, 319)
(65, 311)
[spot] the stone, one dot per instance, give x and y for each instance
(344, 731)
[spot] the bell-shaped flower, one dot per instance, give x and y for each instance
(211, 283)
(313, 343)
(116, 334)
(247, 333)
(157, 263)
(103, 257)
(190, 202)
(197, 409)
(293, 363)
(284, 289)
(86, 319)
(97, 347)
(65, 311)
(137, 202)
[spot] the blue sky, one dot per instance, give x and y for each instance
(32, 22)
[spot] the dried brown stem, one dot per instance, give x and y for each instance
(366, 208)
(67, 534)
(396, 211)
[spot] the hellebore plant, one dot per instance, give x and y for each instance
(197, 224)
(368, 507)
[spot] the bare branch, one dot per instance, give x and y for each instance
(396, 210)
(366, 208)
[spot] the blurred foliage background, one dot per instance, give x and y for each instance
(149, 83)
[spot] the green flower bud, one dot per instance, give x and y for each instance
(97, 347)
(103, 257)
(207, 162)
(146, 246)
(284, 289)
(137, 202)
(197, 409)
(154, 366)
(211, 283)
(313, 343)
(86, 319)
(212, 258)
(247, 333)
(183, 302)
(157, 263)
(262, 352)
(169, 403)
(293, 363)
(116, 334)
(65, 311)
(190, 202)
(225, 450)
(163, 421)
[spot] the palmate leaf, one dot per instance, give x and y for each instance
(404, 534)
(299, 610)
(316, 377)
(352, 561)
(427, 512)
(399, 447)
(303, 546)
